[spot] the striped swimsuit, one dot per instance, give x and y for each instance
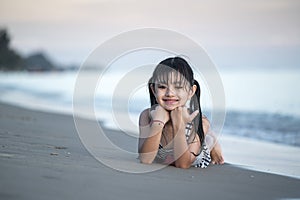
(166, 156)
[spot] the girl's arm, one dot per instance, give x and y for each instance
(184, 154)
(150, 135)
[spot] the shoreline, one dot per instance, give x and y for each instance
(42, 157)
(245, 152)
(262, 156)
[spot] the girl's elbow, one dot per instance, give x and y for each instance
(182, 165)
(148, 162)
(145, 160)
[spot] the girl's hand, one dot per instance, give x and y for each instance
(159, 113)
(181, 115)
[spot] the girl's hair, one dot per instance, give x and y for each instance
(177, 65)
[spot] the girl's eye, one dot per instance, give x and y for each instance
(161, 86)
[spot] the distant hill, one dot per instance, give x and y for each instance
(10, 60)
(38, 62)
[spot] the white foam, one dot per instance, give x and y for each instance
(261, 156)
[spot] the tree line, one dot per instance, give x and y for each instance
(11, 60)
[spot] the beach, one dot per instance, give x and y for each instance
(75, 80)
(42, 157)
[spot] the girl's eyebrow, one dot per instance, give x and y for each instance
(177, 83)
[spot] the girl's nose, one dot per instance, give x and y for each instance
(169, 92)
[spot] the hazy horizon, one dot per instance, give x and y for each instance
(236, 34)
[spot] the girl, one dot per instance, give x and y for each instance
(174, 131)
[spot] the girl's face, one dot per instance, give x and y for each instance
(174, 93)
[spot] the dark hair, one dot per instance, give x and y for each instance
(178, 65)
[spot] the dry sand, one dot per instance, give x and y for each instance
(42, 157)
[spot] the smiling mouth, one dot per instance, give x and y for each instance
(170, 101)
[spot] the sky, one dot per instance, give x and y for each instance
(235, 33)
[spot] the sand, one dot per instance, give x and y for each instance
(42, 157)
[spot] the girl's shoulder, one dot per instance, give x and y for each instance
(145, 117)
(205, 124)
(145, 112)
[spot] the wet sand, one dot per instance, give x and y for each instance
(42, 157)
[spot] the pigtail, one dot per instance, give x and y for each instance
(195, 105)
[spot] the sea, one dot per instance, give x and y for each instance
(259, 104)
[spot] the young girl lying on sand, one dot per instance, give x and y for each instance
(174, 131)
